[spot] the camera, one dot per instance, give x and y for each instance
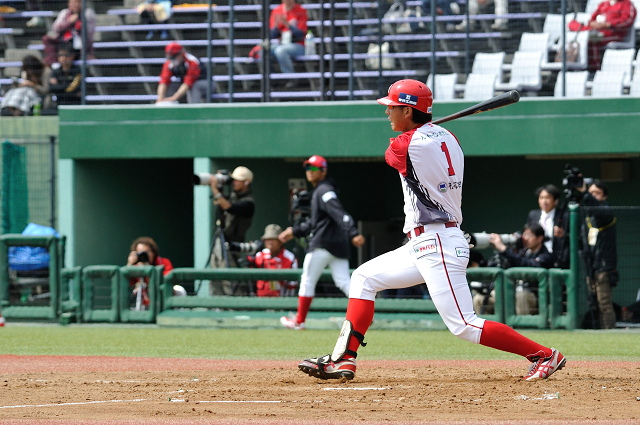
(245, 247)
(300, 207)
(204, 179)
(143, 257)
(482, 239)
(574, 180)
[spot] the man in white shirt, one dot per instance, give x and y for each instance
(553, 222)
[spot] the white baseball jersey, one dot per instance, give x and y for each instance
(431, 166)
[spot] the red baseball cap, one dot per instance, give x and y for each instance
(173, 49)
(316, 161)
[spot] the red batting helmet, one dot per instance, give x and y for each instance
(173, 49)
(316, 161)
(409, 93)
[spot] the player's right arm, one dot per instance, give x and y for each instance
(397, 152)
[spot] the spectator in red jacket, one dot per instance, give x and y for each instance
(186, 68)
(275, 256)
(288, 24)
(610, 22)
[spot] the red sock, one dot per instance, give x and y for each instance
(303, 308)
(502, 337)
(360, 314)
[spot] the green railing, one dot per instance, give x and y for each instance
(55, 246)
(527, 274)
(100, 293)
(495, 275)
(152, 276)
(70, 301)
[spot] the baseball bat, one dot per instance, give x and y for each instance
(496, 102)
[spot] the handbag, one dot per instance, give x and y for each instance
(573, 47)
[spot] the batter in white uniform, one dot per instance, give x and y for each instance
(431, 166)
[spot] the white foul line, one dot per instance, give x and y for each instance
(353, 388)
(240, 401)
(72, 404)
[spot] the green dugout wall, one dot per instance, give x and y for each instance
(125, 171)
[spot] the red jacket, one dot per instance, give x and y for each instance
(621, 16)
(297, 13)
(189, 73)
(284, 260)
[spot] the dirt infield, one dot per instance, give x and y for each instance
(109, 390)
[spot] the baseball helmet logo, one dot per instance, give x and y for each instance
(409, 93)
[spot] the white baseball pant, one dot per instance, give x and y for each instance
(439, 257)
(314, 264)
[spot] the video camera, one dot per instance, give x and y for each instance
(204, 179)
(300, 207)
(574, 180)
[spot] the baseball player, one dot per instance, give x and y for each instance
(331, 228)
(431, 166)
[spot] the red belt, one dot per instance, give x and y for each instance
(420, 229)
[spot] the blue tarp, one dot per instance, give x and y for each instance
(26, 258)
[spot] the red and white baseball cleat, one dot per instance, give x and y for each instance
(291, 323)
(324, 368)
(1, 321)
(544, 367)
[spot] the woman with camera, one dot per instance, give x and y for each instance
(144, 252)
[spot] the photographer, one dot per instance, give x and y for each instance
(238, 209)
(555, 223)
(274, 256)
(331, 229)
(601, 238)
(144, 252)
(531, 253)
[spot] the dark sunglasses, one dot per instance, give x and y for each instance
(311, 168)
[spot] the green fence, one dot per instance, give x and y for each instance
(149, 276)
(16, 287)
(100, 294)
(70, 304)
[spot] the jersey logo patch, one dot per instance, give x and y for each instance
(409, 99)
(462, 252)
(329, 196)
(425, 247)
(442, 187)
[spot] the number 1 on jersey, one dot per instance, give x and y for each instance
(445, 149)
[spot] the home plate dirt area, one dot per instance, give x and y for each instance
(63, 389)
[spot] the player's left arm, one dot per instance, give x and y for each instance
(331, 205)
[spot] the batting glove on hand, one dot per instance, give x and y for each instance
(467, 236)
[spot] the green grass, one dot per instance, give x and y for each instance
(151, 341)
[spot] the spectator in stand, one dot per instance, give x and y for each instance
(64, 83)
(288, 23)
(501, 9)
(67, 28)
(275, 256)
(155, 12)
(532, 254)
(610, 22)
(555, 224)
(27, 91)
(186, 67)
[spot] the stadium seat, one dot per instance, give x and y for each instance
(634, 90)
(525, 72)
(575, 87)
(629, 41)
(608, 84)
(479, 86)
(489, 63)
(591, 6)
(445, 87)
(535, 42)
(618, 60)
(553, 26)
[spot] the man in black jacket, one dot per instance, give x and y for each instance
(533, 254)
(555, 223)
(331, 229)
(601, 237)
